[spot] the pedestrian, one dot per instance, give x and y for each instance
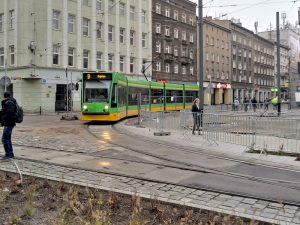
(8, 118)
(196, 115)
(246, 104)
(236, 104)
(266, 104)
(254, 103)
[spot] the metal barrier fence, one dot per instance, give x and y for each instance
(261, 133)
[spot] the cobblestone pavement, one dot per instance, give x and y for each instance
(244, 207)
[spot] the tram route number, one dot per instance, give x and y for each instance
(97, 76)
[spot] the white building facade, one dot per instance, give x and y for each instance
(47, 44)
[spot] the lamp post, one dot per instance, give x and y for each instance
(200, 58)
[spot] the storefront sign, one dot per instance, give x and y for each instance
(224, 86)
(162, 81)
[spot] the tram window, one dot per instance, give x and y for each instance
(173, 96)
(96, 91)
(190, 96)
(133, 96)
(114, 97)
(156, 96)
(121, 96)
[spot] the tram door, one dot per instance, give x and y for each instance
(62, 98)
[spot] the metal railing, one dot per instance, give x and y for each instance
(275, 134)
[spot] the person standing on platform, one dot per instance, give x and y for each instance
(196, 115)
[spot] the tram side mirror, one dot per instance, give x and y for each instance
(76, 86)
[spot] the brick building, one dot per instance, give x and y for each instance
(174, 41)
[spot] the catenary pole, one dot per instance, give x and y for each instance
(278, 65)
(200, 57)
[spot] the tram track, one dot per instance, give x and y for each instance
(22, 160)
(172, 164)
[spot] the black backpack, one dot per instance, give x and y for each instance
(19, 114)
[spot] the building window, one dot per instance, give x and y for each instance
(111, 4)
(175, 15)
(99, 60)
(55, 19)
(71, 53)
(12, 55)
(183, 35)
(99, 4)
(184, 70)
(168, 49)
(99, 26)
(158, 47)
(176, 33)
(191, 55)
(85, 2)
(157, 65)
(131, 37)
(167, 12)
(56, 50)
(158, 28)
(122, 9)
(144, 36)
(167, 66)
(191, 38)
(175, 51)
(158, 8)
(85, 26)
(143, 16)
(2, 57)
(132, 12)
(176, 68)
(131, 65)
(71, 23)
(122, 35)
(191, 70)
(110, 32)
(191, 21)
(184, 17)
(167, 31)
(122, 63)
(110, 62)
(85, 59)
(1, 21)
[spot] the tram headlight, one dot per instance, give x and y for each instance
(84, 107)
(106, 107)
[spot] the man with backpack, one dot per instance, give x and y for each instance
(8, 120)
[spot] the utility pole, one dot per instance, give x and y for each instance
(278, 65)
(200, 58)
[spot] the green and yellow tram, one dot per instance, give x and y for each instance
(113, 96)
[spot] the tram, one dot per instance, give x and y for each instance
(113, 96)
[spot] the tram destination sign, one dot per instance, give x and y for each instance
(97, 76)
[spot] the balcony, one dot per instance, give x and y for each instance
(168, 57)
(185, 60)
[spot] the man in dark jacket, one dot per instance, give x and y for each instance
(8, 118)
(196, 115)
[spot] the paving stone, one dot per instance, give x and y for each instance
(259, 206)
(231, 203)
(275, 205)
(291, 207)
(283, 218)
(269, 210)
(296, 220)
(268, 215)
(198, 192)
(225, 196)
(249, 200)
(244, 206)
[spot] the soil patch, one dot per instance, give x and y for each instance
(39, 201)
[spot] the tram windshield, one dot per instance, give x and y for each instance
(96, 91)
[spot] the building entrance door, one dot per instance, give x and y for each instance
(62, 98)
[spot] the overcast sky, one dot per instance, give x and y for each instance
(249, 11)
